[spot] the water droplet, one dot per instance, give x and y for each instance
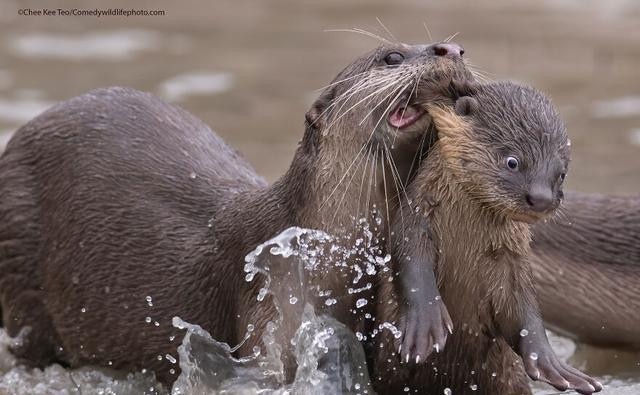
(447, 391)
(170, 358)
(147, 320)
(406, 389)
(159, 357)
(494, 374)
(359, 336)
(330, 302)
(149, 300)
(524, 332)
(172, 371)
(473, 387)
(293, 300)
(250, 328)
(261, 294)
(75, 279)
(193, 175)
(533, 356)
(84, 309)
(361, 302)
(357, 386)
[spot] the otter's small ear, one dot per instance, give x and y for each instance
(317, 110)
(466, 105)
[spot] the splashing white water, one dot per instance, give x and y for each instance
(209, 366)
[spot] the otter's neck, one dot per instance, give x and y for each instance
(262, 213)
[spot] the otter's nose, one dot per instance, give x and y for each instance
(539, 198)
(448, 50)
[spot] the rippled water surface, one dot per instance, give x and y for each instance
(250, 72)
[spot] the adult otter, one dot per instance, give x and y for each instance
(586, 264)
(498, 165)
(115, 196)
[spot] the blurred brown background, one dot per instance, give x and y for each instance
(250, 69)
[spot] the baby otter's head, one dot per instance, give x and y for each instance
(508, 147)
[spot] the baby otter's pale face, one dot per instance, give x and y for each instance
(520, 158)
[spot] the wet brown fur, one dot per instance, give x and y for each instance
(473, 294)
(586, 263)
(482, 262)
(114, 196)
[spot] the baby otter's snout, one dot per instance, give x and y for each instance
(539, 198)
(448, 50)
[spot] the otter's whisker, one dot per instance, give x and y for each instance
(387, 30)
(400, 90)
(479, 76)
(364, 173)
(334, 83)
(418, 154)
(352, 162)
(346, 187)
(413, 89)
(359, 87)
(381, 101)
(343, 176)
(338, 118)
(386, 196)
(424, 23)
(363, 32)
(344, 98)
(400, 189)
(451, 37)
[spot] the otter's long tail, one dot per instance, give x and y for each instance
(587, 268)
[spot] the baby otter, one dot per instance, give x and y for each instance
(497, 166)
(115, 196)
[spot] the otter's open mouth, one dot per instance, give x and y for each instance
(404, 115)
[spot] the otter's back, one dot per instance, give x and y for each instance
(108, 180)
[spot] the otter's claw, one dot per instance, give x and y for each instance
(548, 368)
(424, 329)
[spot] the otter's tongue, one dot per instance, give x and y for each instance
(402, 116)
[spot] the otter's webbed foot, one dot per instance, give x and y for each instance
(424, 328)
(542, 364)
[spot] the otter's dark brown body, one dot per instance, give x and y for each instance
(586, 263)
(115, 196)
(79, 253)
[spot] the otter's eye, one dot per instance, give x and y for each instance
(394, 58)
(512, 163)
(562, 176)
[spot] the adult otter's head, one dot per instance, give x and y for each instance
(367, 126)
(509, 147)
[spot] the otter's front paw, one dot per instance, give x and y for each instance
(424, 329)
(546, 367)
